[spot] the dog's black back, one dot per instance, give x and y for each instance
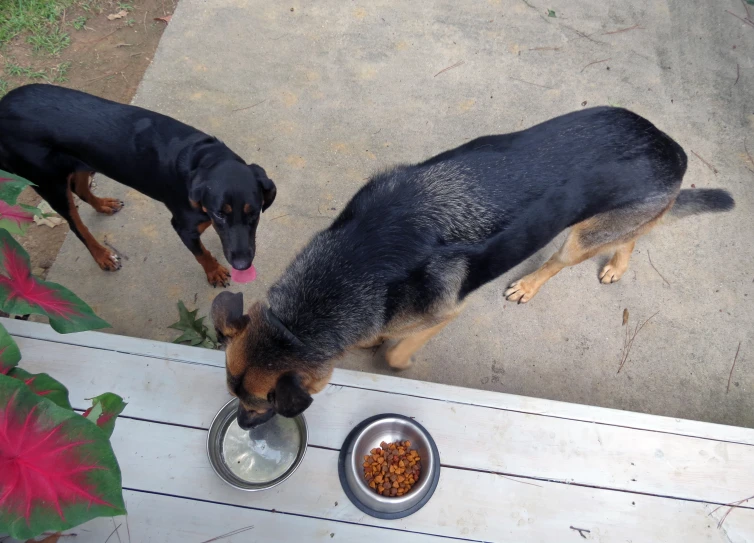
(126, 147)
(415, 235)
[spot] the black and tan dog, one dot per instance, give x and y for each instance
(416, 240)
(58, 138)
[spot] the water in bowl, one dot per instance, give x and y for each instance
(263, 454)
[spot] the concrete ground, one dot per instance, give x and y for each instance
(324, 94)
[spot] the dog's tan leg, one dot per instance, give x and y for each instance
(217, 275)
(570, 254)
(80, 182)
(370, 343)
(105, 258)
(399, 355)
(618, 265)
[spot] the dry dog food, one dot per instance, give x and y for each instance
(392, 469)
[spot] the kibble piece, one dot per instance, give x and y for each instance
(392, 469)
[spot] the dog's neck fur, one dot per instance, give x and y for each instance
(324, 304)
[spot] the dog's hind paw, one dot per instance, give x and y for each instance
(611, 273)
(109, 206)
(108, 260)
(520, 292)
(218, 277)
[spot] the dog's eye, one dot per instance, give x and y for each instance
(220, 216)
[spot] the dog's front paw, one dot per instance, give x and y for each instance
(521, 291)
(109, 206)
(108, 260)
(218, 277)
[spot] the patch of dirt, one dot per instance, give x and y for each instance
(107, 58)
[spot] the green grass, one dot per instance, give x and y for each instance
(39, 18)
(56, 74)
(3, 87)
(15, 70)
(79, 22)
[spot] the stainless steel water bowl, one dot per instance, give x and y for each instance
(367, 436)
(255, 459)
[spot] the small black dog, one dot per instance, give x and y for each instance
(416, 240)
(58, 138)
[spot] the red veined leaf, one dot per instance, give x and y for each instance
(21, 293)
(105, 408)
(16, 218)
(10, 354)
(11, 186)
(42, 384)
(57, 469)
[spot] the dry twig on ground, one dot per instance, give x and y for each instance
(710, 166)
(730, 375)
(456, 65)
(628, 341)
(595, 62)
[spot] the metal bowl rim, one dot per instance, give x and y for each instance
(352, 435)
(214, 429)
(423, 483)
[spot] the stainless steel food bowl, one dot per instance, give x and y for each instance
(368, 435)
(255, 459)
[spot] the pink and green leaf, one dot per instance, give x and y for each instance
(16, 218)
(42, 384)
(11, 186)
(21, 293)
(57, 469)
(10, 354)
(104, 410)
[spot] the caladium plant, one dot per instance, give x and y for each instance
(104, 409)
(21, 293)
(57, 469)
(14, 218)
(9, 352)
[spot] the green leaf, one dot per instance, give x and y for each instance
(10, 354)
(42, 384)
(195, 331)
(104, 410)
(11, 186)
(551, 13)
(16, 218)
(21, 293)
(66, 464)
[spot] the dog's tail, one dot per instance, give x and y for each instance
(696, 201)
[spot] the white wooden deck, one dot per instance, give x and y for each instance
(514, 469)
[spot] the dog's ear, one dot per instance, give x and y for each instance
(289, 398)
(268, 187)
(197, 190)
(227, 315)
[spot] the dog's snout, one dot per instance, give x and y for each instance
(240, 262)
(248, 420)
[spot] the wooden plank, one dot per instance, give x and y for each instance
(166, 519)
(398, 385)
(467, 436)
(114, 342)
(471, 505)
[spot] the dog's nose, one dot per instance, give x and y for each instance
(240, 263)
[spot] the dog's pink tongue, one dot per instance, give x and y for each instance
(245, 276)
